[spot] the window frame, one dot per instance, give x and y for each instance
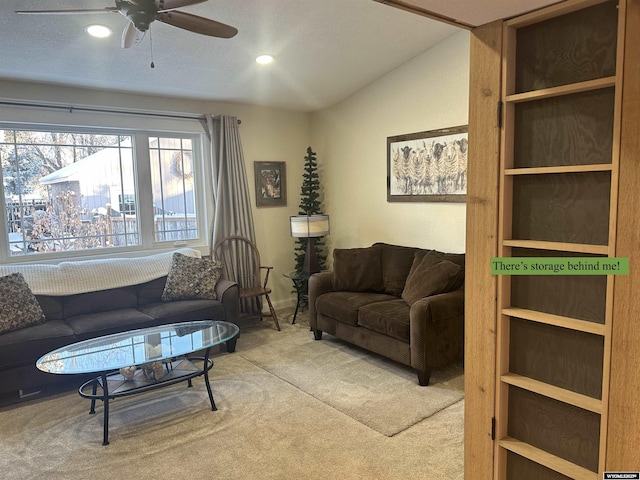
(143, 190)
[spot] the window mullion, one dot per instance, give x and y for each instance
(144, 189)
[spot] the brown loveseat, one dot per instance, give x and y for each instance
(404, 303)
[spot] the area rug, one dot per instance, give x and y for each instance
(379, 393)
(265, 428)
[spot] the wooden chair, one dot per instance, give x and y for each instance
(241, 260)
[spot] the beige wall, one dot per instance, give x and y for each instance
(429, 92)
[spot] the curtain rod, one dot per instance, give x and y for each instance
(71, 108)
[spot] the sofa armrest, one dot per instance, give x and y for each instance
(437, 330)
(319, 283)
(228, 293)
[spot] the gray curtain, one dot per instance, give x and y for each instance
(232, 214)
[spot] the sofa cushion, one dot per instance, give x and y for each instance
(191, 278)
(19, 307)
(151, 292)
(430, 275)
(396, 263)
(25, 346)
(100, 301)
(357, 269)
(184, 310)
(105, 323)
(389, 318)
(344, 306)
(53, 307)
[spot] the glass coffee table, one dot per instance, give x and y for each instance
(141, 360)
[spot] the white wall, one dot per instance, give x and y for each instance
(429, 92)
(267, 134)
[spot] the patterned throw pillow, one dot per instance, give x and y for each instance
(191, 278)
(18, 306)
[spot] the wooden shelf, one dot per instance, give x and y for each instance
(553, 462)
(567, 396)
(599, 167)
(562, 90)
(559, 246)
(556, 320)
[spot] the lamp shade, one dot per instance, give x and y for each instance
(310, 225)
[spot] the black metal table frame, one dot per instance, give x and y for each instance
(301, 298)
(102, 379)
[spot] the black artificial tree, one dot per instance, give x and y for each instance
(310, 205)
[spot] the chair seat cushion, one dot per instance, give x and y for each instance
(389, 318)
(343, 306)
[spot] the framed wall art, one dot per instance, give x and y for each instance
(428, 166)
(271, 183)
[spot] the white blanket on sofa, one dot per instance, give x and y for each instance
(68, 278)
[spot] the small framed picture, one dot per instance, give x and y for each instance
(271, 183)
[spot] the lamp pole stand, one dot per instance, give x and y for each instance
(311, 264)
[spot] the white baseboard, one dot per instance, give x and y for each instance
(281, 304)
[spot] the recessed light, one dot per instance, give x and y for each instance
(98, 31)
(264, 59)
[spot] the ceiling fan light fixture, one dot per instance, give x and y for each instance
(264, 59)
(98, 31)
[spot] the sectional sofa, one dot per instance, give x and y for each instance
(86, 299)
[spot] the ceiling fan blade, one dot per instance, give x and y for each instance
(68, 12)
(197, 24)
(131, 36)
(167, 5)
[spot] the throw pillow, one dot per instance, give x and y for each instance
(191, 278)
(430, 275)
(19, 307)
(357, 269)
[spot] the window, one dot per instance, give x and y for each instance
(79, 190)
(127, 204)
(173, 188)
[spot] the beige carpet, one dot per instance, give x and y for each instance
(378, 393)
(279, 425)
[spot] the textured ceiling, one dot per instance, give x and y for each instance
(325, 50)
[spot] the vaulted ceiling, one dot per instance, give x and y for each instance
(324, 50)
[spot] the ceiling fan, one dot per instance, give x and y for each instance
(141, 13)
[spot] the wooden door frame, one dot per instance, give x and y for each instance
(481, 246)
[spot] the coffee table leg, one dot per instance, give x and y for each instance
(94, 390)
(105, 401)
(205, 366)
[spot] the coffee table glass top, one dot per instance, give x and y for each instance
(136, 347)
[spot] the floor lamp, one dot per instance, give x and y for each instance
(310, 227)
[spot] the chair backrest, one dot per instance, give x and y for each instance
(241, 260)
